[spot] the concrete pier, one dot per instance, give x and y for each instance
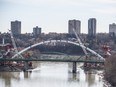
(74, 67)
(26, 66)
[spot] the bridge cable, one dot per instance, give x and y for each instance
(14, 44)
(78, 39)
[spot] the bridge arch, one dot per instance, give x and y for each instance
(64, 41)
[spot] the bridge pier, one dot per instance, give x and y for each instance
(26, 66)
(74, 67)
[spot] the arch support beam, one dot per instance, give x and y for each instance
(26, 66)
(54, 41)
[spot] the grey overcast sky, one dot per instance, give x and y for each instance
(53, 15)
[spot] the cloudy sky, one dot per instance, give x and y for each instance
(53, 15)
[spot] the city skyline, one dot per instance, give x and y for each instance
(53, 16)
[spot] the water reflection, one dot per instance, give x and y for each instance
(50, 75)
(27, 74)
(73, 77)
(90, 78)
(7, 76)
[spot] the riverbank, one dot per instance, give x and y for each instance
(15, 66)
(7, 68)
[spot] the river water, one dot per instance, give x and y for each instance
(52, 74)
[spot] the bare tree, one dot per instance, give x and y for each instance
(110, 70)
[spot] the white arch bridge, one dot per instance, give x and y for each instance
(99, 58)
(62, 41)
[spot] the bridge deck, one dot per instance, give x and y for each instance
(53, 60)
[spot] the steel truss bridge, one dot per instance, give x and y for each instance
(95, 58)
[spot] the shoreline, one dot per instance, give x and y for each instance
(7, 68)
(106, 83)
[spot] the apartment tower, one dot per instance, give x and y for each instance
(16, 27)
(74, 26)
(92, 27)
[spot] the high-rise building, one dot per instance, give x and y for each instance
(36, 31)
(16, 27)
(74, 24)
(92, 27)
(112, 29)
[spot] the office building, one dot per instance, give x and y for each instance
(92, 27)
(112, 29)
(16, 27)
(74, 24)
(36, 31)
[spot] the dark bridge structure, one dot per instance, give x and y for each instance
(95, 58)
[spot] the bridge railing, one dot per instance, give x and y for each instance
(56, 58)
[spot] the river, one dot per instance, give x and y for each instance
(52, 74)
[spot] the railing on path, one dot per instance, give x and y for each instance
(53, 60)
